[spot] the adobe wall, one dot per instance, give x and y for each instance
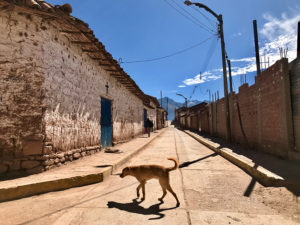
(159, 118)
(22, 131)
(74, 86)
(50, 97)
(151, 114)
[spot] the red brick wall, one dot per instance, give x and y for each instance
(262, 112)
(219, 121)
(204, 121)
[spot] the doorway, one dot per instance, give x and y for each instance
(106, 123)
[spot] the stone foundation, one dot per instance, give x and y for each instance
(38, 163)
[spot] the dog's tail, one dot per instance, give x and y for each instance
(175, 166)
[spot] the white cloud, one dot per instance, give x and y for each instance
(237, 34)
(199, 79)
(250, 59)
(276, 33)
(181, 86)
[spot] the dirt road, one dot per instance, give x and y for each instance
(211, 191)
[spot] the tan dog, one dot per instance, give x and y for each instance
(146, 172)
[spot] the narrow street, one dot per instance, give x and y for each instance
(211, 191)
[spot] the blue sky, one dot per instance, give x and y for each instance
(139, 30)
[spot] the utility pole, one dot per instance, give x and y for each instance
(256, 47)
(230, 77)
(228, 130)
(298, 41)
(221, 35)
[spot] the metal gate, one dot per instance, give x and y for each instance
(105, 122)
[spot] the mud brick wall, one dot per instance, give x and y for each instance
(151, 114)
(74, 86)
(50, 95)
(265, 112)
(159, 118)
(22, 131)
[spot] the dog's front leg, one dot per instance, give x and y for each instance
(138, 190)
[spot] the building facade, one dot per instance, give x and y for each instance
(63, 96)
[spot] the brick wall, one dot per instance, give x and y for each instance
(264, 109)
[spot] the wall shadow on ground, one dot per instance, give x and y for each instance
(287, 169)
(186, 164)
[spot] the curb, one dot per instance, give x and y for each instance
(17, 192)
(261, 174)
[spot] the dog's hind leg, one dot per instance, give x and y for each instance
(173, 193)
(164, 190)
(138, 190)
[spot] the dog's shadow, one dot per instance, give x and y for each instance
(134, 207)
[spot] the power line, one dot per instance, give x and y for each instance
(206, 17)
(206, 63)
(188, 18)
(211, 51)
(196, 19)
(172, 54)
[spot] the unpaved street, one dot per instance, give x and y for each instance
(211, 191)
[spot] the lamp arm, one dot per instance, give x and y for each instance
(200, 5)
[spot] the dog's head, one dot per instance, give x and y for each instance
(125, 172)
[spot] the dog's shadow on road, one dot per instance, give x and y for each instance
(134, 207)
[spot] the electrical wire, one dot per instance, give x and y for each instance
(206, 17)
(210, 54)
(170, 55)
(188, 18)
(196, 19)
(206, 63)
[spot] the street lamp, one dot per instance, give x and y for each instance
(185, 99)
(185, 108)
(221, 35)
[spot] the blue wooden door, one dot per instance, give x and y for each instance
(106, 132)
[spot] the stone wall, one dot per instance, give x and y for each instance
(50, 95)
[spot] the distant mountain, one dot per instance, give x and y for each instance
(172, 105)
